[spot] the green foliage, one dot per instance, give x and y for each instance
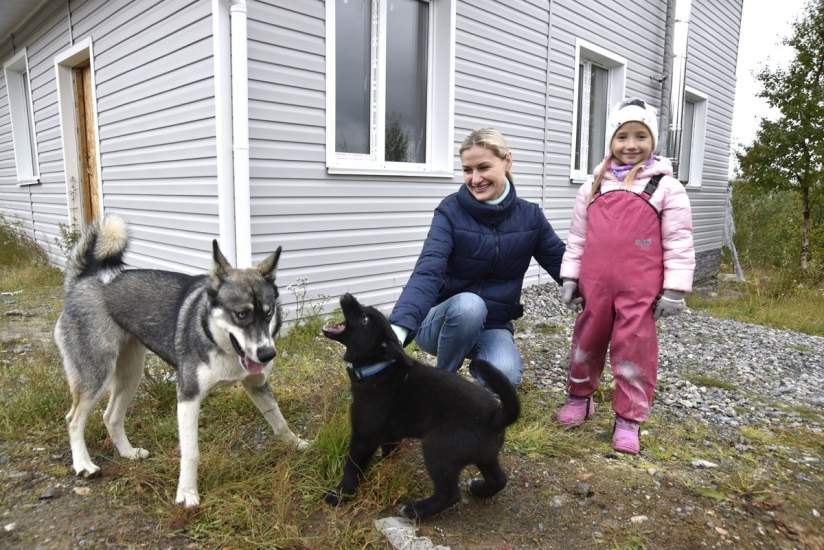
(23, 263)
(788, 153)
(305, 309)
(782, 298)
(769, 226)
(16, 247)
(68, 238)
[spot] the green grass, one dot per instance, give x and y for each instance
(259, 492)
(769, 297)
(710, 382)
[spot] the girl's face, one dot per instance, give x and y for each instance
(632, 143)
(484, 173)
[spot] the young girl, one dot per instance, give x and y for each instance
(629, 260)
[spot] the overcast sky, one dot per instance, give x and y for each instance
(764, 24)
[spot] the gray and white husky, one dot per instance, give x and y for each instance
(216, 329)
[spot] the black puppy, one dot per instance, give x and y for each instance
(394, 397)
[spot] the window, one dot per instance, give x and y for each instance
(599, 83)
(390, 91)
(22, 119)
(693, 132)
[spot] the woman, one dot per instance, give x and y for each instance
(466, 287)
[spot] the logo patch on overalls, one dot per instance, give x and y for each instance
(643, 242)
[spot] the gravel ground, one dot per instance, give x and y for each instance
(759, 366)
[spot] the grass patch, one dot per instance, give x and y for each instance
(710, 382)
(780, 299)
(259, 492)
(23, 263)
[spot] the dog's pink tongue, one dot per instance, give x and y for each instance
(251, 366)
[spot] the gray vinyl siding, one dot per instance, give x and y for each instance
(358, 234)
(41, 207)
(154, 77)
(711, 61)
(514, 70)
(155, 92)
(500, 81)
(154, 86)
(14, 200)
(573, 20)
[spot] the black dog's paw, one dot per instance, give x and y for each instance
(407, 510)
(475, 487)
(332, 498)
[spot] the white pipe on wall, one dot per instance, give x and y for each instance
(240, 126)
(222, 48)
(680, 44)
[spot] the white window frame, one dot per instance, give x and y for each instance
(617, 67)
(699, 136)
(440, 100)
(21, 110)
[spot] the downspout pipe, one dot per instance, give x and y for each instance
(666, 80)
(678, 79)
(221, 27)
(240, 131)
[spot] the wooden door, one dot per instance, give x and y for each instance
(89, 187)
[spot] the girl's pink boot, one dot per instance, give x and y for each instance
(625, 436)
(575, 411)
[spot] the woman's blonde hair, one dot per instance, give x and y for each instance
(488, 138)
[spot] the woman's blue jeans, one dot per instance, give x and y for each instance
(453, 331)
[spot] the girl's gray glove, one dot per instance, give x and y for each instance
(571, 297)
(670, 303)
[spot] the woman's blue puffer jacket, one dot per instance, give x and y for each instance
(476, 247)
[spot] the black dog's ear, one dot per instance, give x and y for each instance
(395, 351)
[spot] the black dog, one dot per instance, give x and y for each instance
(395, 397)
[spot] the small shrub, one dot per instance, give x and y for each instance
(16, 247)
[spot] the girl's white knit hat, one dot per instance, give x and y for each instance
(633, 110)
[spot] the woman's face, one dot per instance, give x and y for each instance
(632, 143)
(484, 173)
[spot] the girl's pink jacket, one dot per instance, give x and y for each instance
(670, 200)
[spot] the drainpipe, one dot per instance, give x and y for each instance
(675, 73)
(223, 128)
(240, 127)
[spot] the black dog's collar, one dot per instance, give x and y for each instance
(359, 373)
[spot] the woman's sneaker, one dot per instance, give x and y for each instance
(575, 411)
(625, 436)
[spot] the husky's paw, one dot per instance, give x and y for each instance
(88, 470)
(301, 444)
(333, 498)
(187, 497)
(137, 454)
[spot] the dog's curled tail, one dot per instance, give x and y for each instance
(496, 381)
(101, 247)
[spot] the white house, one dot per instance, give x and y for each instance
(331, 128)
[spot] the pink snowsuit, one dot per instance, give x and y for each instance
(623, 255)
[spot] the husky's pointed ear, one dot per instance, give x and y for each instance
(269, 267)
(220, 267)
